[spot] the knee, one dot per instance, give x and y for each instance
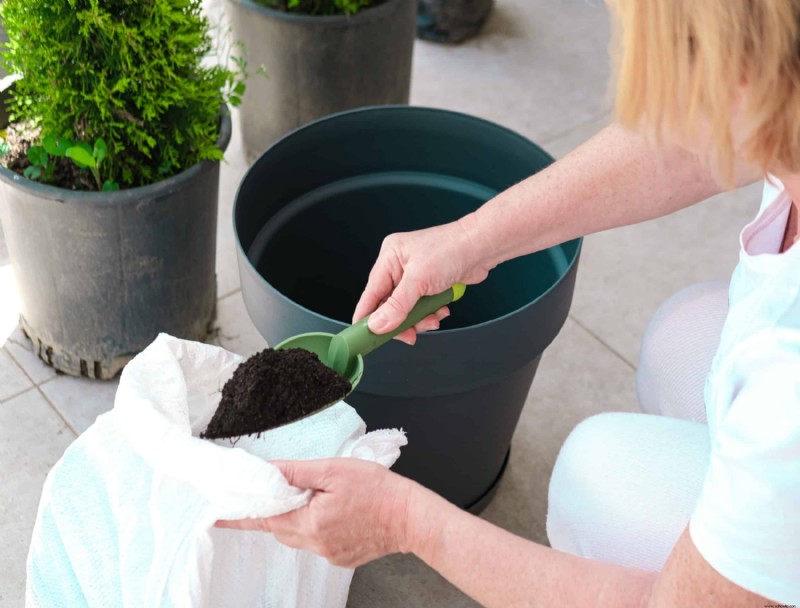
(677, 321)
(677, 349)
(581, 495)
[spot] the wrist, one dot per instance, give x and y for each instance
(479, 247)
(396, 518)
(419, 531)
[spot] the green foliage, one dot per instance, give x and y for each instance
(319, 7)
(128, 75)
(42, 159)
(41, 167)
(88, 157)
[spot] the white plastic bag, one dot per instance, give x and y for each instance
(126, 516)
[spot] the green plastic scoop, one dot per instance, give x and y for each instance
(344, 352)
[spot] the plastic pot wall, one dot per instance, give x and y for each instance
(310, 216)
(99, 275)
(318, 65)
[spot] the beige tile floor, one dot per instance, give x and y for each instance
(541, 68)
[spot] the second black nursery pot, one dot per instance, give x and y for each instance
(310, 217)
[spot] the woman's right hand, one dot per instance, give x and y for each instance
(415, 264)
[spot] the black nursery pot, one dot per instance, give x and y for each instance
(310, 216)
(100, 274)
(452, 20)
(317, 65)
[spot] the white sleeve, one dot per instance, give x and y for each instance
(747, 520)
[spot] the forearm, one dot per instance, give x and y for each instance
(616, 178)
(498, 569)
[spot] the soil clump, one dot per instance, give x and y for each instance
(272, 388)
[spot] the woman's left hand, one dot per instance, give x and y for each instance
(358, 512)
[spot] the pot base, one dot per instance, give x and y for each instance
(70, 362)
(477, 507)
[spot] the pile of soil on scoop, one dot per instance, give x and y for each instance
(271, 388)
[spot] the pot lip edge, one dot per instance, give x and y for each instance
(305, 19)
(120, 197)
(570, 269)
(407, 109)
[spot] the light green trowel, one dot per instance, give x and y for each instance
(344, 352)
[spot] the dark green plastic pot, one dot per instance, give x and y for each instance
(310, 216)
(100, 274)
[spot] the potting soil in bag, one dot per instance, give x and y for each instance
(126, 516)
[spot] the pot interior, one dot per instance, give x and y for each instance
(318, 250)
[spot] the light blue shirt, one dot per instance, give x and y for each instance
(747, 520)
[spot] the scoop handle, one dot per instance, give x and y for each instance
(358, 339)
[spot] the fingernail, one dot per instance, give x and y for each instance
(378, 321)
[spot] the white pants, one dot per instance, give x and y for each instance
(624, 485)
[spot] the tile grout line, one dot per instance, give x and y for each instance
(24, 373)
(56, 410)
(17, 394)
(229, 294)
(37, 387)
(611, 349)
(43, 382)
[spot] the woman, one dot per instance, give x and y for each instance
(697, 502)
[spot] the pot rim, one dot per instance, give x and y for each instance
(364, 15)
(408, 109)
(128, 195)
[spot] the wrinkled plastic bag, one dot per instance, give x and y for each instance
(126, 516)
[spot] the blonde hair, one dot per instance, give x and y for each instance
(682, 65)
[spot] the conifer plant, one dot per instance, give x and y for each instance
(119, 90)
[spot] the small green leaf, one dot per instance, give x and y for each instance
(50, 144)
(165, 168)
(110, 186)
(38, 156)
(239, 89)
(4, 148)
(63, 145)
(56, 146)
(33, 172)
(121, 85)
(100, 150)
(81, 157)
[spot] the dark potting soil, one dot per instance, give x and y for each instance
(66, 174)
(271, 388)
